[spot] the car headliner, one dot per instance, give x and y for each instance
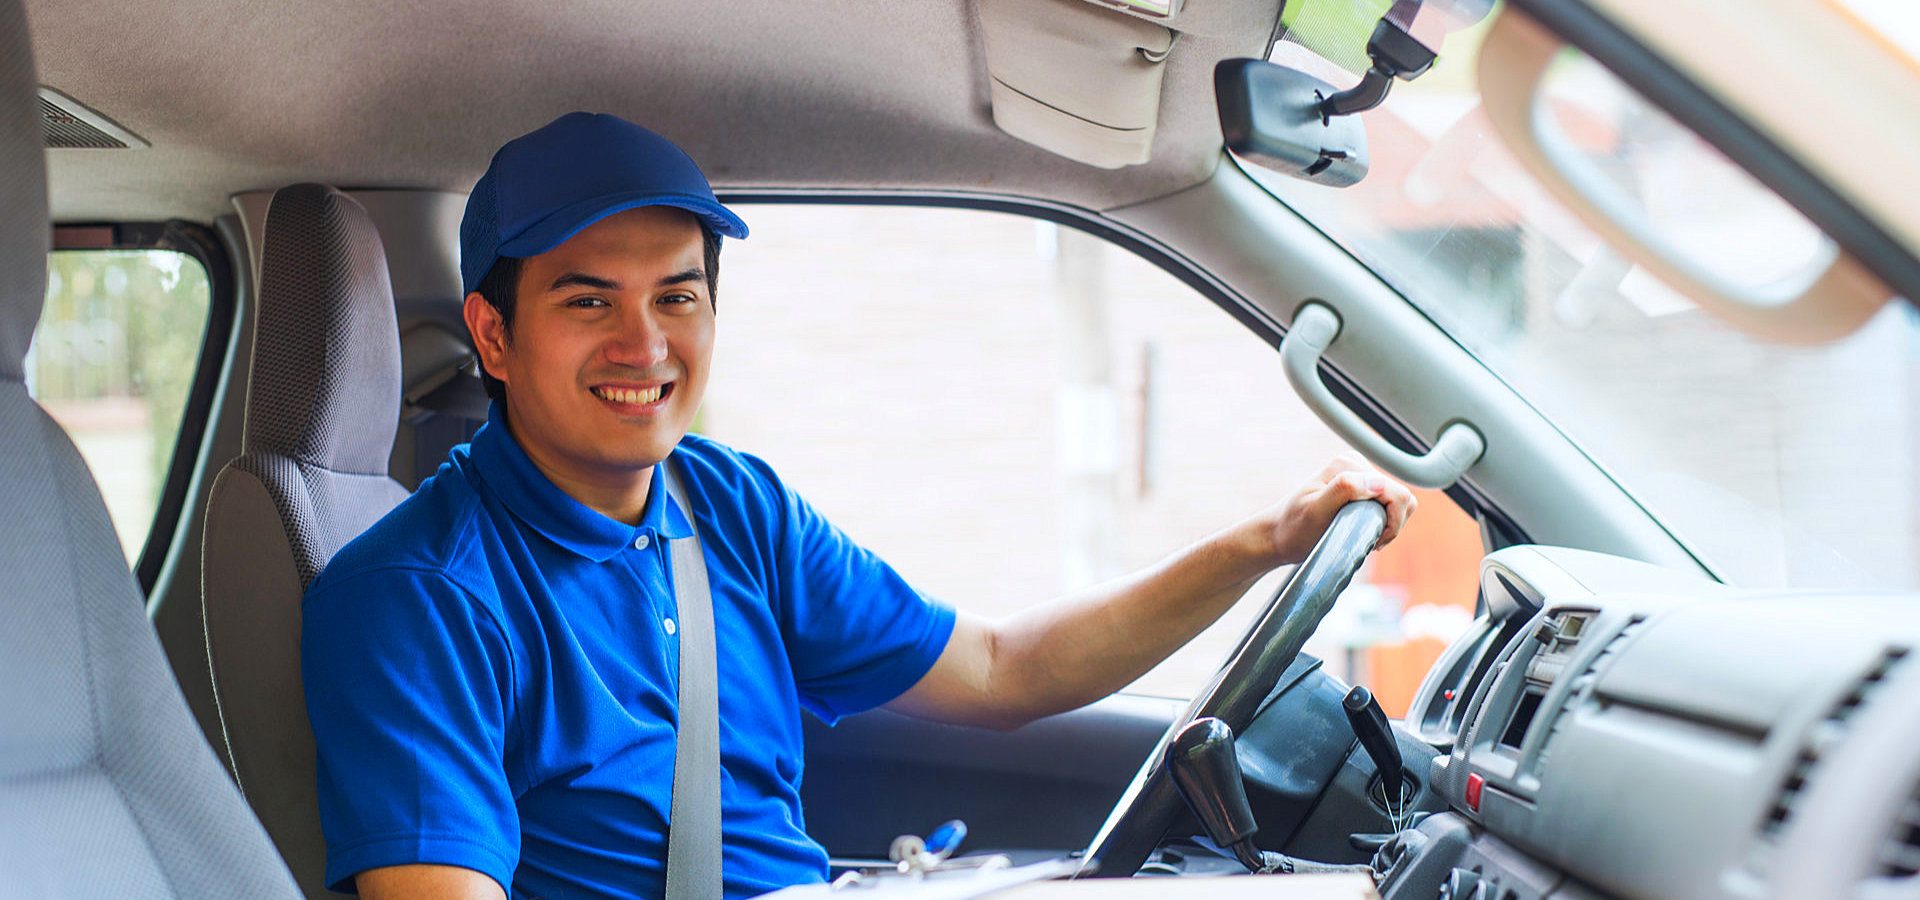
(237, 96)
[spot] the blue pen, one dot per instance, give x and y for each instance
(946, 839)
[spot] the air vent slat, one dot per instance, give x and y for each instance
(1822, 736)
(1789, 793)
(1581, 687)
(1899, 856)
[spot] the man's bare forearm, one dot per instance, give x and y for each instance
(1066, 654)
(1074, 650)
(426, 882)
(1077, 649)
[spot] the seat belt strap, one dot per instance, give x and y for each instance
(693, 823)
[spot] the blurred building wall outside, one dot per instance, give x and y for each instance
(924, 378)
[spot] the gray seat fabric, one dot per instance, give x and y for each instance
(107, 788)
(323, 402)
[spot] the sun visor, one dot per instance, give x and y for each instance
(1074, 78)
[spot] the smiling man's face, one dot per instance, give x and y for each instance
(608, 355)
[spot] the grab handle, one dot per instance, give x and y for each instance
(1314, 328)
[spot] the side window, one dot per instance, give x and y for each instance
(1007, 410)
(113, 361)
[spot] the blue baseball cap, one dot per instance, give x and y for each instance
(546, 185)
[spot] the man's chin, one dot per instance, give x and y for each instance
(643, 454)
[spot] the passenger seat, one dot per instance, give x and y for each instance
(323, 403)
(107, 788)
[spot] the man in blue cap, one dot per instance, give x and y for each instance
(491, 669)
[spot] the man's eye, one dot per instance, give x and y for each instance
(679, 299)
(587, 302)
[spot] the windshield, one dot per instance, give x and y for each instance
(1896, 22)
(1779, 466)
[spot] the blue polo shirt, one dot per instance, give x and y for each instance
(491, 673)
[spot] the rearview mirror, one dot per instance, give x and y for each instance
(1270, 116)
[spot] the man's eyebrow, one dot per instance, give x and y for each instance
(693, 274)
(581, 279)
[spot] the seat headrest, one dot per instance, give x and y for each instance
(24, 236)
(325, 388)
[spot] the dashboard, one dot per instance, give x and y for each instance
(1612, 729)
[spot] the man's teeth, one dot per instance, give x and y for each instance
(629, 395)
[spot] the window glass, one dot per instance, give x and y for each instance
(1006, 411)
(112, 361)
(1702, 210)
(1895, 21)
(1758, 456)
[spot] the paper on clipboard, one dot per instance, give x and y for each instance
(960, 885)
(1032, 883)
(1212, 887)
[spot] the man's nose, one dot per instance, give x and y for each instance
(637, 341)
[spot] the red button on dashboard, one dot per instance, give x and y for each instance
(1474, 784)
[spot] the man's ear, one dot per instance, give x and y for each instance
(489, 332)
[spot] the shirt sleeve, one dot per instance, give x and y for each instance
(408, 681)
(858, 635)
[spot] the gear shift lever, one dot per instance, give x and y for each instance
(1376, 735)
(1207, 772)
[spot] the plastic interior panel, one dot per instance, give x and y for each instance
(1852, 832)
(1314, 328)
(421, 231)
(1507, 873)
(1682, 786)
(1803, 645)
(1293, 750)
(1516, 582)
(910, 775)
(1432, 713)
(1351, 805)
(1657, 778)
(1425, 856)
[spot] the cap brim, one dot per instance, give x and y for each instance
(569, 220)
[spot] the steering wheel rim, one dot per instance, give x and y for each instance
(1235, 693)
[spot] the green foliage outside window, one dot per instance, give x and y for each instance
(112, 361)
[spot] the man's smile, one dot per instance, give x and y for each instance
(634, 398)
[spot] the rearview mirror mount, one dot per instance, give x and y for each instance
(1271, 116)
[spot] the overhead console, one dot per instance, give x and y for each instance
(1077, 79)
(1082, 78)
(1639, 734)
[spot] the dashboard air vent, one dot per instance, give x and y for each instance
(1822, 736)
(1899, 856)
(1789, 793)
(1582, 686)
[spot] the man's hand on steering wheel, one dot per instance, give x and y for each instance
(1296, 523)
(1328, 531)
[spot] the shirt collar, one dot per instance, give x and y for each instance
(537, 502)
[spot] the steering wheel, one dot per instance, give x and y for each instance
(1236, 692)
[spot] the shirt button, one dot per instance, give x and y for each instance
(670, 627)
(640, 543)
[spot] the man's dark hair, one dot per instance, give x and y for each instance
(501, 288)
